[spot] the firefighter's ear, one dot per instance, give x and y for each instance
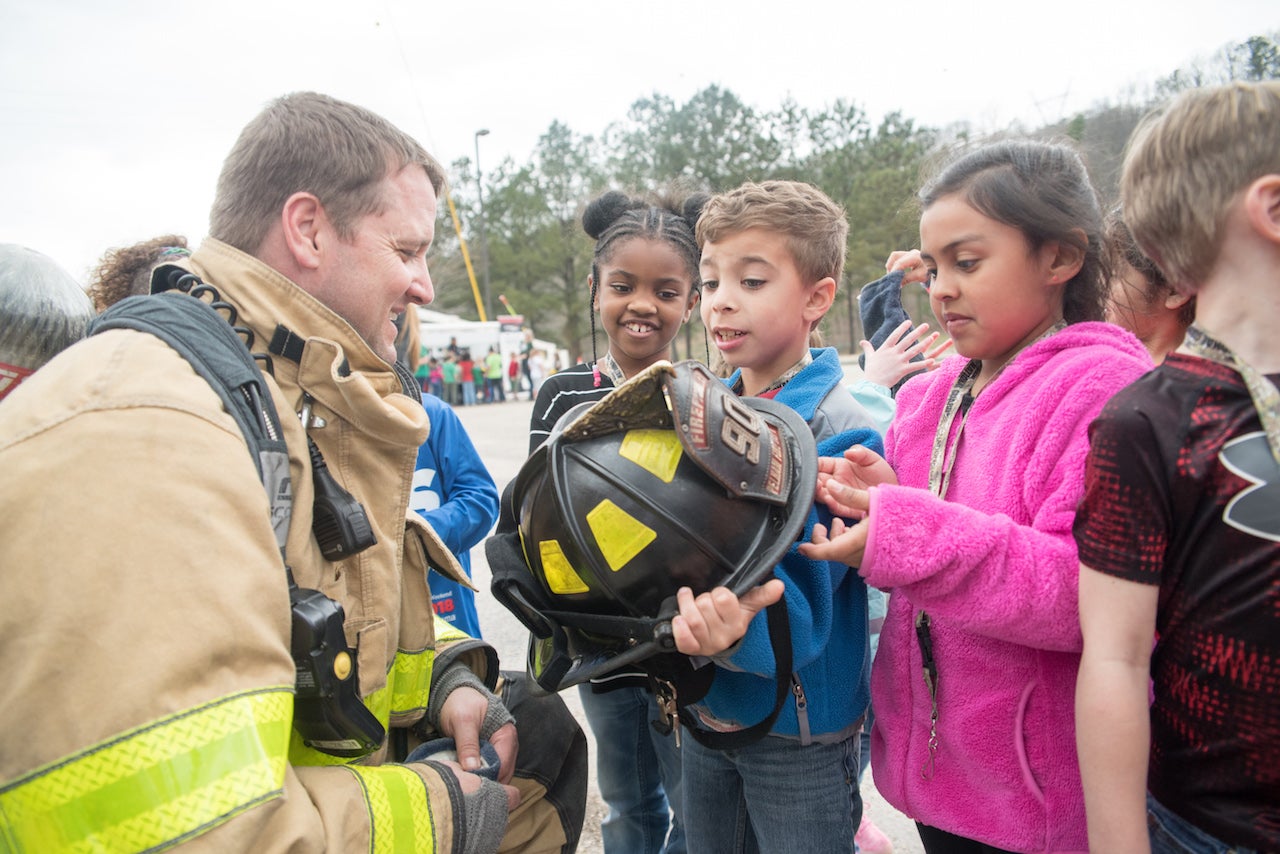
(302, 223)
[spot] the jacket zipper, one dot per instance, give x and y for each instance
(802, 709)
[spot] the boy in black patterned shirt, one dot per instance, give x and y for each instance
(1179, 530)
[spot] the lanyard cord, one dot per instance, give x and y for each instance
(787, 375)
(612, 370)
(959, 400)
(1266, 398)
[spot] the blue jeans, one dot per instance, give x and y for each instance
(774, 796)
(638, 771)
(1173, 834)
(864, 743)
(469, 394)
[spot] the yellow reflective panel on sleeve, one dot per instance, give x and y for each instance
(447, 631)
(400, 817)
(410, 680)
(155, 786)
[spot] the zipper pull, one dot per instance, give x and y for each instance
(929, 669)
(927, 770)
(802, 702)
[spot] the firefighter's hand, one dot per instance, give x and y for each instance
(485, 806)
(462, 718)
(472, 783)
(506, 741)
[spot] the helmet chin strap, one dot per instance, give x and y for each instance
(674, 700)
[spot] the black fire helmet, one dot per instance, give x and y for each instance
(669, 481)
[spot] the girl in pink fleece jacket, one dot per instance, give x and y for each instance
(969, 522)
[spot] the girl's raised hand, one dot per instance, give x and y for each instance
(910, 262)
(935, 354)
(844, 544)
(711, 622)
(889, 364)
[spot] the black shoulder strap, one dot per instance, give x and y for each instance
(204, 338)
(289, 344)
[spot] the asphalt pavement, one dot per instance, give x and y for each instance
(500, 433)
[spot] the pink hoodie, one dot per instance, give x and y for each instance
(995, 566)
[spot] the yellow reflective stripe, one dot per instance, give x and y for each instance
(559, 573)
(400, 818)
(656, 451)
(157, 785)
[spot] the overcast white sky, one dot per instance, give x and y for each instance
(116, 116)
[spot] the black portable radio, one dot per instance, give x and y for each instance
(327, 710)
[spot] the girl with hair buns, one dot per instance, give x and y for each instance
(644, 286)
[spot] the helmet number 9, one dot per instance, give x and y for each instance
(741, 429)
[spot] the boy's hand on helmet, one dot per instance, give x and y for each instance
(711, 622)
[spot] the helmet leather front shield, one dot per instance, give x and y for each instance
(669, 481)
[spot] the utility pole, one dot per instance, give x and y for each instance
(484, 240)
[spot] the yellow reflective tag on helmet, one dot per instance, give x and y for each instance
(560, 574)
(656, 451)
(619, 535)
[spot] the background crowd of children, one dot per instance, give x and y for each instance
(457, 378)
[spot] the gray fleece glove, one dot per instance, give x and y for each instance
(495, 717)
(485, 814)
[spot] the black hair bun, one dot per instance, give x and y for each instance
(692, 208)
(604, 212)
